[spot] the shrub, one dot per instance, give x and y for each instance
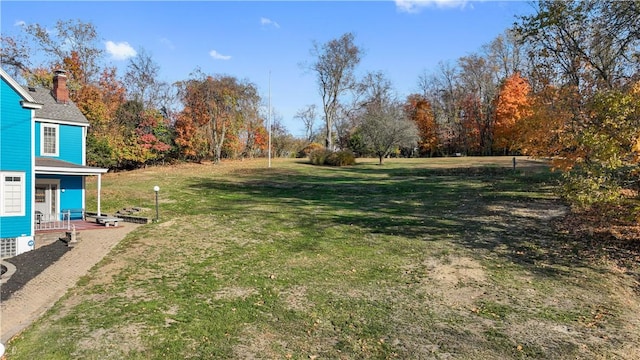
(319, 157)
(338, 158)
(309, 149)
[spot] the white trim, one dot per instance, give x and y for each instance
(57, 139)
(23, 192)
(53, 170)
(99, 193)
(32, 176)
(49, 182)
(30, 105)
(61, 122)
(83, 192)
(84, 146)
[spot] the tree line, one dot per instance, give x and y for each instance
(137, 119)
(562, 83)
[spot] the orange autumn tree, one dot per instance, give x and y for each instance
(99, 104)
(512, 105)
(215, 110)
(418, 109)
(548, 130)
(254, 137)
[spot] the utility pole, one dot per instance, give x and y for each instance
(269, 118)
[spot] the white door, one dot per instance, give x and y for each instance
(47, 196)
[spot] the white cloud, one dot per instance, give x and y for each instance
(20, 23)
(268, 22)
(216, 55)
(120, 51)
(414, 6)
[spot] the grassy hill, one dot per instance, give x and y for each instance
(452, 258)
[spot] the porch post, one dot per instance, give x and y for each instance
(99, 189)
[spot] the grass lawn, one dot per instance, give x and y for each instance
(452, 258)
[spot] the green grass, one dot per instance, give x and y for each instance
(420, 258)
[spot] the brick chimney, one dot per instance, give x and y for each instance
(60, 91)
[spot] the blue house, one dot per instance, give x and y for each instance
(42, 162)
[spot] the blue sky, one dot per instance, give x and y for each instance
(262, 40)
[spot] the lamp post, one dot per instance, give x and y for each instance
(157, 189)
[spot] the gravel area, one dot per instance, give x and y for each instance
(31, 264)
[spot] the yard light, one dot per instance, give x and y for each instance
(157, 190)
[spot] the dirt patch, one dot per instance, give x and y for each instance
(256, 344)
(234, 293)
(452, 281)
(296, 298)
(541, 210)
(121, 340)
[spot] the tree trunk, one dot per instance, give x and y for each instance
(328, 141)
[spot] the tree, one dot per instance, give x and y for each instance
(607, 148)
(141, 76)
(216, 108)
(418, 109)
(512, 105)
(284, 144)
(478, 79)
(445, 94)
(14, 56)
(547, 132)
(334, 68)
(69, 39)
(99, 103)
(586, 59)
(308, 117)
(385, 128)
(589, 43)
(506, 52)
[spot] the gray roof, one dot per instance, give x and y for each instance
(49, 162)
(52, 110)
(46, 165)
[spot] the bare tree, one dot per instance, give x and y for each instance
(71, 38)
(284, 144)
(334, 67)
(479, 82)
(141, 78)
(308, 117)
(386, 128)
(590, 44)
(505, 51)
(383, 122)
(14, 55)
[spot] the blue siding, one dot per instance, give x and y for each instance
(16, 155)
(70, 146)
(71, 198)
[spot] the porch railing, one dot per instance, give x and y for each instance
(57, 221)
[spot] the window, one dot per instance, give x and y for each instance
(8, 247)
(12, 193)
(49, 140)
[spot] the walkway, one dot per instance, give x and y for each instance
(41, 293)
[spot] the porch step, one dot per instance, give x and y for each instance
(43, 239)
(47, 238)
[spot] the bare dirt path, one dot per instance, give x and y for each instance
(42, 292)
